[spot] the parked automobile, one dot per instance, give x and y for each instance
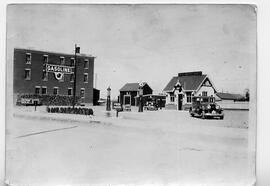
(205, 107)
(151, 106)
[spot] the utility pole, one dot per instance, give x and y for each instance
(77, 50)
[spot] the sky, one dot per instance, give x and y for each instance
(144, 43)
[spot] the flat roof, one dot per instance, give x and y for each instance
(50, 52)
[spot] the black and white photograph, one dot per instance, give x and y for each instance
(131, 94)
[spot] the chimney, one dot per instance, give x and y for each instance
(195, 73)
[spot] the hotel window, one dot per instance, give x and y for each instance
(172, 98)
(43, 90)
(72, 62)
(69, 91)
(62, 60)
(37, 90)
(71, 77)
(204, 93)
(27, 74)
(86, 64)
(28, 58)
(85, 77)
(82, 93)
(44, 75)
(188, 97)
(55, 90)
(45, 59)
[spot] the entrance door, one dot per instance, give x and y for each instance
(180, 101)
(127, 100)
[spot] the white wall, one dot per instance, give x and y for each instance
(210, 91)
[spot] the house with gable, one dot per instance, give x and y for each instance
(180, 89)
(130, 92)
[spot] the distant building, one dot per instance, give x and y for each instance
(180, 89)
(51, 73)
(228, 97)
(129, 92)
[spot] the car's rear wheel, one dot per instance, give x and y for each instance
(221, 117)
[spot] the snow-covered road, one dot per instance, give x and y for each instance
(158, 148)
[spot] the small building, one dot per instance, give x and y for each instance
(180, 89)
(50, 73)
(228, 97)
(96, 96)
(230, 101)
(129, 92)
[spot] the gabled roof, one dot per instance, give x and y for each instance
(189, 82)
(229, 96)
(131, 86)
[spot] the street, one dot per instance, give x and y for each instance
(164, 147)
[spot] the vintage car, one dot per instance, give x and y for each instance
(205, 107)
(150, 106)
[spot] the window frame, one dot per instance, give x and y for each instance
(26, 58)
(39, 90)
(85, 75)
(86, 64)
(72, 62)
(72, 79)
(204, 93)
(45, 78)
(44, 87)
(47, 57)
(83, 93)
(189, 97)
(62, 60)
(172, 98)
(27, 78)
(57, 90)
(71, 91)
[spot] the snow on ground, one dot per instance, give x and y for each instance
(165, 147)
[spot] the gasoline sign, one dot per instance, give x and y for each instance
(59, 69)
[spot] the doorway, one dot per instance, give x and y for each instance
(180, 102)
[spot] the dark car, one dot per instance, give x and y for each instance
(205, 107)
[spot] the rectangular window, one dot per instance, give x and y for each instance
(204, 93)
(28, 58)
(44, 75)
(69, 91)
(37, 90)
(72, 62)
(172, 98)
(45, 59)
(85, 77)
(82, 93)
(188, 97)
(44, 90)
(55, 90)
(86, 64)
(71, 77)
(27, 74)
(62, 60)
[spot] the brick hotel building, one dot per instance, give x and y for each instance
(31, 76)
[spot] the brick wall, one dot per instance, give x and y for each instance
(22, 86)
